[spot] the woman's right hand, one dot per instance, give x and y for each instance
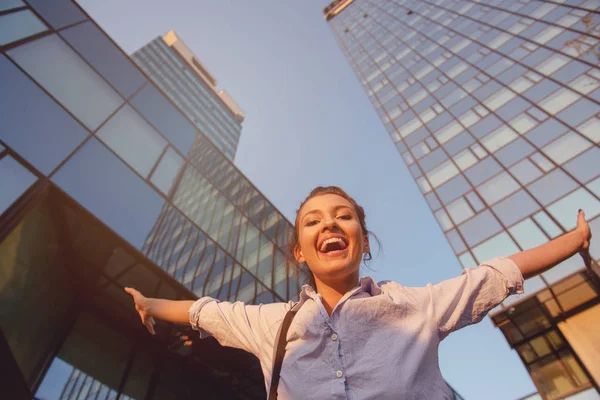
(142, 305)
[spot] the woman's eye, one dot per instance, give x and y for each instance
(345, 216)
(311, 222)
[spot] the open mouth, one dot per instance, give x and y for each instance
(333, 246)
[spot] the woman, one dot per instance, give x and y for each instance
(357, 339)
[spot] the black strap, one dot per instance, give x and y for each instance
(285, 325)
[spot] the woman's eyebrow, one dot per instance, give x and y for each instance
(336, 208)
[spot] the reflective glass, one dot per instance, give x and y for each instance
(58, 13)
(594, 186)
(483, 170)
(500, 245)
(8, 4)
(15, 179)
(45, 139)
(95, 47)
(528, 234)
(442, 173)
(479, 228)
(586, 166)
(591, 129)
(459, 210)
(497, 188)
(111, 191)
(565, 210)
(455, 241)
(547, 224)
(133, 139)
(19, 25)
(165, 117)
(167, 170)
(515, 207)
(453, 188)
(552, 186)
(68, 78)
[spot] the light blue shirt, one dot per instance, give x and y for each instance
(380, 342)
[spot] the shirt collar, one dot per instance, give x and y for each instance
(365, 284)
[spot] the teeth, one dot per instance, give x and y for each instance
(331, 240)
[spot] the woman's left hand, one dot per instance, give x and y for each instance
(586, 234)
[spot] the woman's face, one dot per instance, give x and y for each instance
(330, 238)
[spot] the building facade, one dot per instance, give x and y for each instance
(177, 72)
(494, 108)
(107, 183)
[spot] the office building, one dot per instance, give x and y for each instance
(494, 108)
(106, 183)
(178, 73)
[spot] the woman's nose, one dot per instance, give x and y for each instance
(329, 223)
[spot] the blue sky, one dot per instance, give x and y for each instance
(308, 123)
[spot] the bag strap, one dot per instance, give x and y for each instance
(278, 360)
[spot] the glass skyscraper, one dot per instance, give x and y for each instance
(494, 108)
(106, 183)
(177, 72)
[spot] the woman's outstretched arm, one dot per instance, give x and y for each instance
(167, 310)
(534, 261)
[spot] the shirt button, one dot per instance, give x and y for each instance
(334, 337)
(339, 373)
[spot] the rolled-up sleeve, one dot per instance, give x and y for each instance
(466, 299)
(246, 327)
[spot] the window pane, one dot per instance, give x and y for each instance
(479, 228)
(566, 147)
(105, 57)
(133, 139)
(32, 123)
(565, 210)
(525, 171)
(591, 129)
(68, 78)
(459, 210)
(547, 224)
(483, 170)
(452, 189)
(108, 189)
(515, 207)
(455, 241)
(8, 4)
(586, 166)
(528, 234)
(497, 188)
(442, 173)
(559, 101)
(500, 245)
(19, 25)
(15, 179)
(467, 260)
(165, 117)
(443, 220)
(552, 186)
(167, 170)
(58, 13)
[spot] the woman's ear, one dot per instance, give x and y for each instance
(367, 247)
(298, 254)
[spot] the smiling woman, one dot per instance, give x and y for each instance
(354, 338)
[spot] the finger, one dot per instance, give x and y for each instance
(150, 327)
(131, 291)
(580, 217)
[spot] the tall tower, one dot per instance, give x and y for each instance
(494, 108)
(177, 71)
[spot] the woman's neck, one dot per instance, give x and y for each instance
(332, 292)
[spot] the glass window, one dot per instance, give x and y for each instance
(112, 192)
(565, 209)
(448, 132)
(523, 123)
(585, 84)
(499, 98)
(465, 159)
(58, 13)
(165, 117)
(167, 170)
(442, 173)
(133, 139)
(49, 136)
(467, 260)
(460, 210)
(594, 186)
(586, 166)
(559, 100)
(479, 228)
(515, 207)
(15, 179)
(521, 84)
(547, 34)
(497, 188)
(542, 162)
(483, 170)
(443, 220)
(453, 188)
(475, 201)
(525, 171)
(552, 64)
(591, 129)
(19, 25)
(566, 147)
(547, 224)
(8, 4)
(68, 78)
(105, 57)
(527, 234)
(455, 241)
(498, 138)
(500, 245)
(552, 186)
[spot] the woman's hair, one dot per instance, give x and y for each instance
(360, 212)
